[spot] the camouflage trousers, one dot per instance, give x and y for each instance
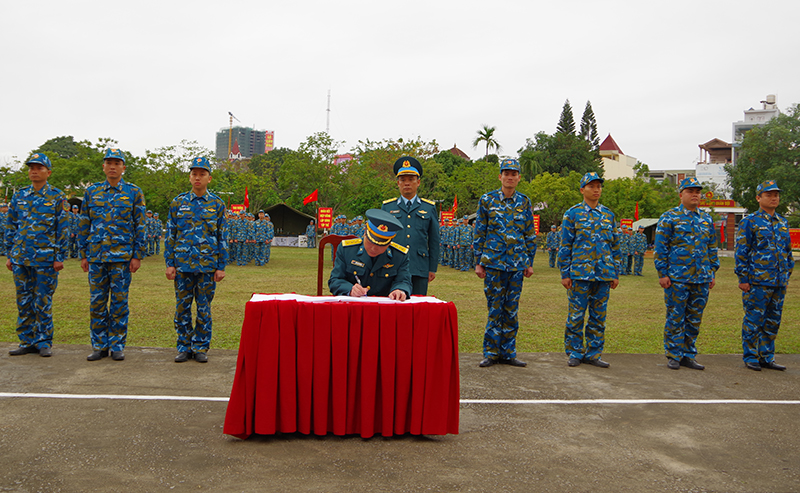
(638, 263)
(312, 242)
(627, 261)
(158, 245)
(685, 304)
(35, 288)
(243, 253)
(73, 246)
(198, 287)
(151, 245)
(463, 257)
(591, 295)
(502, 290)
(109, 320)
(552, 257)
(763, 306)
(233, 249)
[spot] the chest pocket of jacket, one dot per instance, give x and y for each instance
(764, 238)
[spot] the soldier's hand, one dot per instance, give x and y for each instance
(170, 273)
(665, 282)
(614, 283)
(480, 271)
(135, 264)
(58, 266)
(85, 265)
(528, 272)
(397, 295)
(744, 286)
(8, 264)
(358, 290)
(431, 276)
(713, 283)
(219, 275)
(567, 283)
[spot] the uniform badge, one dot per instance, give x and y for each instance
(423, 212)
(357, 263)
(48, 204)
(388, 266)
(185, 208)
(519, 209)
(394, 212)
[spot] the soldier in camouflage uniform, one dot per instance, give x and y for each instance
(311, 234)
(35, 236)
(624, 246)
(589, 260)
(74, 224)
(358, 227)
(466, 237)
(149, 233)
(233, 238)
(270, 237)
(112, 243)
(505, 246)
(196, 253)
(159, 229)
(764, 264)
(686, 260)
(246, 240)
(638, 245)
(552, 245)
(260, 235)
(3, 220)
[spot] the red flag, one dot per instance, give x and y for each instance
(246, 200)
(312, 197)
(636, 214)
(455, 205)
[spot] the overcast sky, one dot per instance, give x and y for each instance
(662, 77)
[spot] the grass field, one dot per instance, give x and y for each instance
(634, 325)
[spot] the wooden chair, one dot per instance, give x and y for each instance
(332, 240)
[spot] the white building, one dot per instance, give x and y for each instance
(752, 118)
(615, 163)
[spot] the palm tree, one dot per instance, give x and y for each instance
(486, 134)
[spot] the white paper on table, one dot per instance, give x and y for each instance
(340, 299)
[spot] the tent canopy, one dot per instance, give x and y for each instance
(288, 221)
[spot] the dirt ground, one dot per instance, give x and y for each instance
(91, 444)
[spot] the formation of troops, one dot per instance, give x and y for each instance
(395, 253)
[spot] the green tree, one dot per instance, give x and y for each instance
(622, 194)
(589, 126)
(486, 135)
(769, 152)
(566, 123)
(312, 167)
(560, 153)
(555, 193)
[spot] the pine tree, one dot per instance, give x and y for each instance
(566, 124)
(589, 126)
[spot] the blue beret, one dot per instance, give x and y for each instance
(690, 182)
(114, 154)
(40, 158)
(202, 163)
(767, 186)
(590, 177)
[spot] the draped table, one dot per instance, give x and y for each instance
(321, 364)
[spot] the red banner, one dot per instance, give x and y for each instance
(626, 222)
(447, 216)
(325, 217)
(536, 223)
(269, 140)
(237, 208)
(795, 234)
(312, 197)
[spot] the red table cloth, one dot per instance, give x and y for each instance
(346, 365)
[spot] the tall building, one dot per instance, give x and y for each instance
(752, 117)
(251, 141)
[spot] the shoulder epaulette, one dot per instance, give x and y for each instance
(428, 201)
(393, 199)
(351, 242)
(399, 247)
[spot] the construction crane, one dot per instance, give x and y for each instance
(230, 131)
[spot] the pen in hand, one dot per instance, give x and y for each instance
(359, 283)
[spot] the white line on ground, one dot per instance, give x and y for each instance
(463, 401)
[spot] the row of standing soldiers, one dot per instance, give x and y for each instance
(632, 248)
(249, 239)
(456, 245)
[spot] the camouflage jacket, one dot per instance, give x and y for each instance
(590, 244)
(36, 227)
(764, 250)
(685, 246)
(638, 244)
(504, 234)
(112, 227)
(552, 240)
(197, 234)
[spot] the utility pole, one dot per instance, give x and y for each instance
(328, 121)
(230, 131)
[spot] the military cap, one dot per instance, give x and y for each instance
(690, 182)
(260, 211)
(407, 165)
(590, 177)
(381, 227)
(767, 186)
(74, 206)
(552, 226)
(149, 212)
(155, 214)
(40, 158)
(202, 163)
(509, 164)
(114, 154)
(358, 218)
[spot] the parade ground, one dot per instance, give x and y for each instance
(70, 425)
(149, 424)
